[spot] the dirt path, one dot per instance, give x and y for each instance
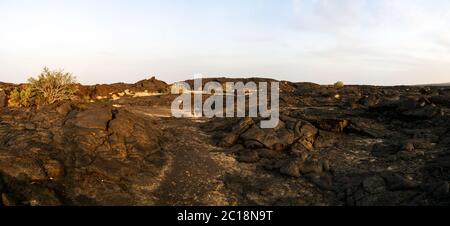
(193, 178)
(201, 173)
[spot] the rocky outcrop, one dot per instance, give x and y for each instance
(367, 145)
(358, 145)
(151, 85)
(79, 155)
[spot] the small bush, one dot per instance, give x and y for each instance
(21, 97)
(339, 85)
(53, 86)
(167, 90)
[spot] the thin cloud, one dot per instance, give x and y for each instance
(399, 33)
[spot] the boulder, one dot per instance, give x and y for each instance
(291, 168)
(333, 125)
(326, 139)
(229, 140)
(306, 135)
(305, 130)
(276, 139)
(64, 109)
(94, 118)
(254, 134)
(232, 137)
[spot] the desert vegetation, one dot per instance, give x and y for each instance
(52, 86)
(21, 97)
(49, 87)
(339, 85)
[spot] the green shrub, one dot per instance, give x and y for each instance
(21, 97)
(339, 85)
(167, 90)
(53, 86)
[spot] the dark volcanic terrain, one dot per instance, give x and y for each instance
(118, 145)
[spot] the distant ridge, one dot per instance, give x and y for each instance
(441, 84)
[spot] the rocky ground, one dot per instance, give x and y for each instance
(118, 145)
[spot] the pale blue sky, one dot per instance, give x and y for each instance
(102, 41)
